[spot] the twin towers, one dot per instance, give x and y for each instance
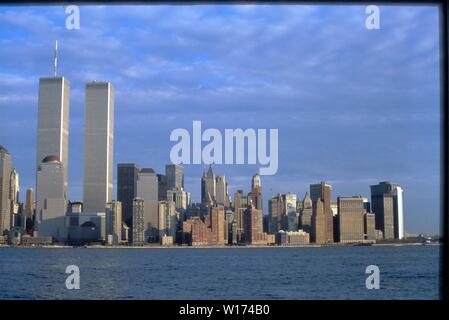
(53, 142)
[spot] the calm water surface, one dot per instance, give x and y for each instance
(407, 272)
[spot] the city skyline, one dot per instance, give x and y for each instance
(350, 173)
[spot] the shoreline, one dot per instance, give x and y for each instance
(219, 247)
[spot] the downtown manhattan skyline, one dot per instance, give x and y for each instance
(365, 138)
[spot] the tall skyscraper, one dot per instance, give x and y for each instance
(306, 213)
(14, 190)
(208, 187)
(351, 219)
(323, 191)
(175, 176)
(290, 215)
(318, 229)
(222, 196)
(53, 121)
(275, 214)
(51, 199)
(98, 145)
(147, 190)
(29, 203)
(167, 219)
(127, 189)
(181, 199)
(256, 192)
(240, 204)
(5, 176)
(162, 187)
(387, 205)
(147, 185)
(398, 209)
(256, 182)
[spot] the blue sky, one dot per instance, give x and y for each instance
(353, 106)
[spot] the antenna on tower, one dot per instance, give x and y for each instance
(56, 57)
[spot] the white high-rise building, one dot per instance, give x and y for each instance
(14, 190)
(98, 146)
(51, 199)
(398, 207)
(53, 121)
(114, 222)
(255, 181)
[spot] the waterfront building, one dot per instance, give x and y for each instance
(318, 228)
(127, 189)
(195, 232)
(114, 221)
(298, 238)
(138, 225)
(254, 226)
(351, 219)
(125, 233)
(98, 145)
(168, 219)
(51, 199)
(147, 190)
(167, 240)
(271, 239)
(292, 238)
(86, 227)
(398, 209)
(369, 220)
(323, 191)
(233, 234)
(281, 238)
(215, 224)
(387, 205)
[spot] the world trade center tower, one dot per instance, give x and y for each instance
(53, 121)
(98, 146)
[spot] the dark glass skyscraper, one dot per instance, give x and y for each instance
(127, 189)
(387, 205)
(175, 176)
